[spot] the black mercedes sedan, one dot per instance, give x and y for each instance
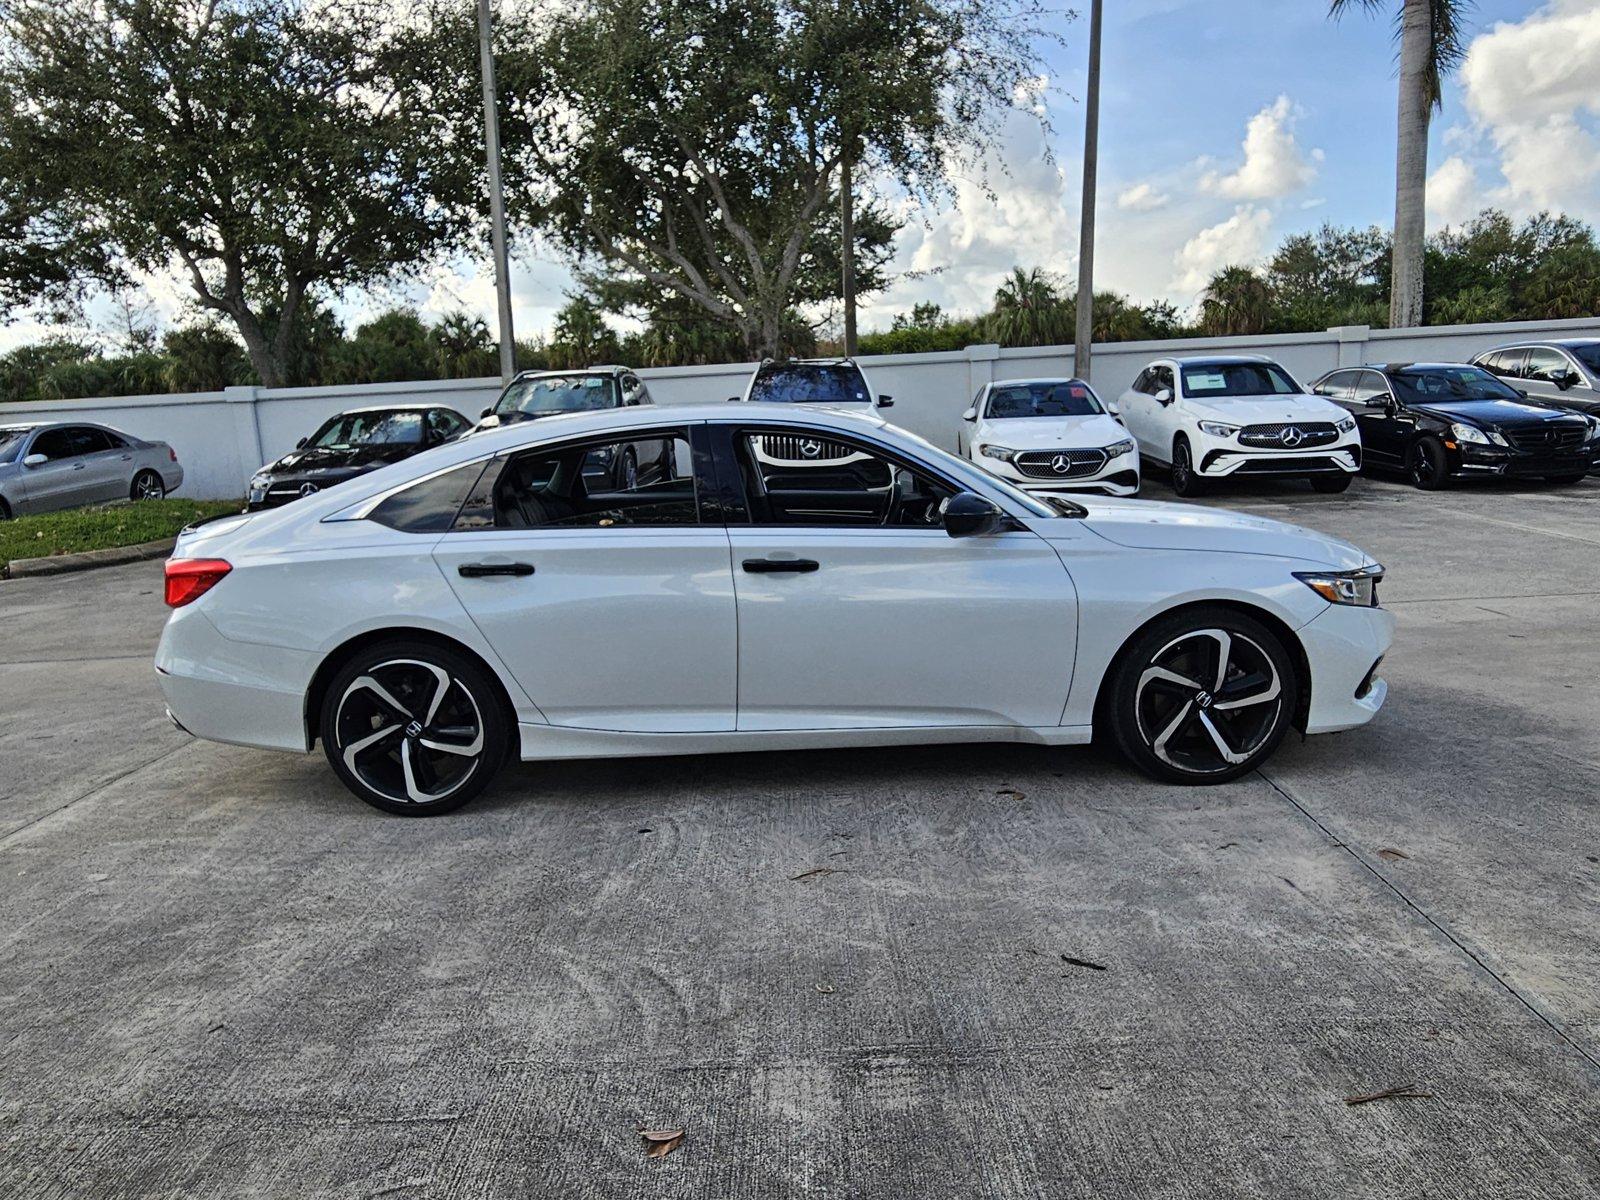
(350, 444)
(1441, 421)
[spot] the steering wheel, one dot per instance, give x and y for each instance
(891, 510)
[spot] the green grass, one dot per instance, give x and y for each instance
(102, 528)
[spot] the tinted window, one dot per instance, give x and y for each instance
(444, 424)
(857, 486)
(1063, 399)
(431, 505)
(583, 485)
(97, 440)
(551, 394)
(809, 383)
(70, 442)
(1589, 356)
(1504, 362)
(10, 442)
(1419, 385)
(1208, 381)
(1162, 378)
(1336, 386)
(1369, 386)
(1545, 364)
(398, 428)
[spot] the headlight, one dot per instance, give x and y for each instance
(1000, 452)
(1118, 449)
(259, 483)
(1218, 429)
(1359, 587)
(1345, 424)
(1594, 430)
(1477, 437)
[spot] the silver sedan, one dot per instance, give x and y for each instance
(66, 464)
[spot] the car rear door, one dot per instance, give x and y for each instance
(859, 611)
(612, 608)
(1386, 428)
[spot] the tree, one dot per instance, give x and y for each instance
(581, 337)
(1431, 46)
(272, 151)
(1029, 310)
(1236, 302)
(1331, 277)
(693, 148)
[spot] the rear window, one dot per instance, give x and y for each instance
(1205, 381)
(1065, 399)
(809, 383)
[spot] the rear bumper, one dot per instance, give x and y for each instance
(1343, 646)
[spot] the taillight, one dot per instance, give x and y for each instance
(190, 578)
(172, 454)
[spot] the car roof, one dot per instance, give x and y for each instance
(409, 406)
(603, 369)
(1219, 360)
(1068, 379)
(807, 362)
(1535, 343)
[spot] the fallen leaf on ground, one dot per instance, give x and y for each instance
(825, 988)
(661, 1142)
(1012, 793)
(815, 872)
(1389, 854)
(1405, 1091)
(1227, 845)
(1081, 962)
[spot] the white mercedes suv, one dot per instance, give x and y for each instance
(1211, 418)
(1049, 435)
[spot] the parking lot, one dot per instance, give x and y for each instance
(953, 971)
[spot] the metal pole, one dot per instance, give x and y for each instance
(497, 204)
(1091, 156)
(847, 247)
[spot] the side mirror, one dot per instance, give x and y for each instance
(35, 460)
(1565, 379)
(885, 401)
(967, 514)
(970, 415)
(301, 444)
(1114, 407)
(1164, 397)
(1376, 402)
(1523, 392)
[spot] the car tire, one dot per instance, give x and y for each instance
(5, 510)
(1186, 480)
(1566, 480)
(1165, 710)
(1330, 485)
(147, 485)
(382, 706)
(1425, 464)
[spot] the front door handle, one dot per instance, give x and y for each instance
(772, 566)
(479, 570)
(79, 466)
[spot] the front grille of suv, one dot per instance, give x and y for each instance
(1300, 435)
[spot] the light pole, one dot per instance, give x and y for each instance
(497, 203)
(1091, 154)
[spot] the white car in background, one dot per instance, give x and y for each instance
(487, 600)
(1049, 435)
(1217, 417)
(814, 383)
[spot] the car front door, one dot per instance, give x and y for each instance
(857, 610)
(1385, 427)
(64, 481)
(612, 607)
(1539, 372)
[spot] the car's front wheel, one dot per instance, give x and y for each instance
(1426, 466)
(1202, 696)
(414, 728)
(147, 485)
(1185, 480)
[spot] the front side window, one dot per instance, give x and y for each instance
(550, 395)
(1222, 381)
(1545, 365)
(397, 428)
(1422, 385)
(1021, 400)
(71, 442)
(810, 383)
(864, 488)
(1336, 386)
(443, 424)
(1162, 378)
(643, 481)
(1370, 388)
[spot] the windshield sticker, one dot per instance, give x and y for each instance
(1208, 382)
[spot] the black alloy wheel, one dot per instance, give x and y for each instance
(1425, 465)
(1185, 480)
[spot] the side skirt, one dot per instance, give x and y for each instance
(542, 742)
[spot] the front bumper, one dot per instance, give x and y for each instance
(1117, 477)
(1219, 459)
(1343, 646)
(1472, 459)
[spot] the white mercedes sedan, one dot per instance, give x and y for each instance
(493, 598)
(1049, 435)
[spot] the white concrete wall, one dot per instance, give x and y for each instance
(223, 437)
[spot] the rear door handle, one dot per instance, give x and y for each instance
(479, 570)
(773, 566)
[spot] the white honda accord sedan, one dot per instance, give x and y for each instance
(493, 598)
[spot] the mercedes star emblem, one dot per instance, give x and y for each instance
(810, 447)
(1291, 436)
(1061, 464)
(307, 489)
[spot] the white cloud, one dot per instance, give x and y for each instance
(1453, 193)
(1530, 88)
(1141, 197)
(1274, 164)
(1241, 239)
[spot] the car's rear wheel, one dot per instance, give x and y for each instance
(1331, 484)
(414, 728)
(1185, 480)
(147, 485)
(1202, 696)
(1425, 465)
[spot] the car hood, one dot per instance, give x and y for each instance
(1161, 525)
(328, 458)
(1044, 433)
(1496, 412)
(1252, 410)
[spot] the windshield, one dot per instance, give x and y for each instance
(1219, 381)
(1421, 385)
(551, 394)
(1588, 355)
(370, 429)
(810, 383)
(1068, 398)
(10, 442)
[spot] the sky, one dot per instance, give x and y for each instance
(1225, 126)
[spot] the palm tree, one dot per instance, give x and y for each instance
(1236, 302)
(1029, 311)
(1430, 48)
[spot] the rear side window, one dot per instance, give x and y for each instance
(431, 505)
(810, 383)
(1544, 365)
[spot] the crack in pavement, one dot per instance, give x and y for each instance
(1455, 939)
(10, 834)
